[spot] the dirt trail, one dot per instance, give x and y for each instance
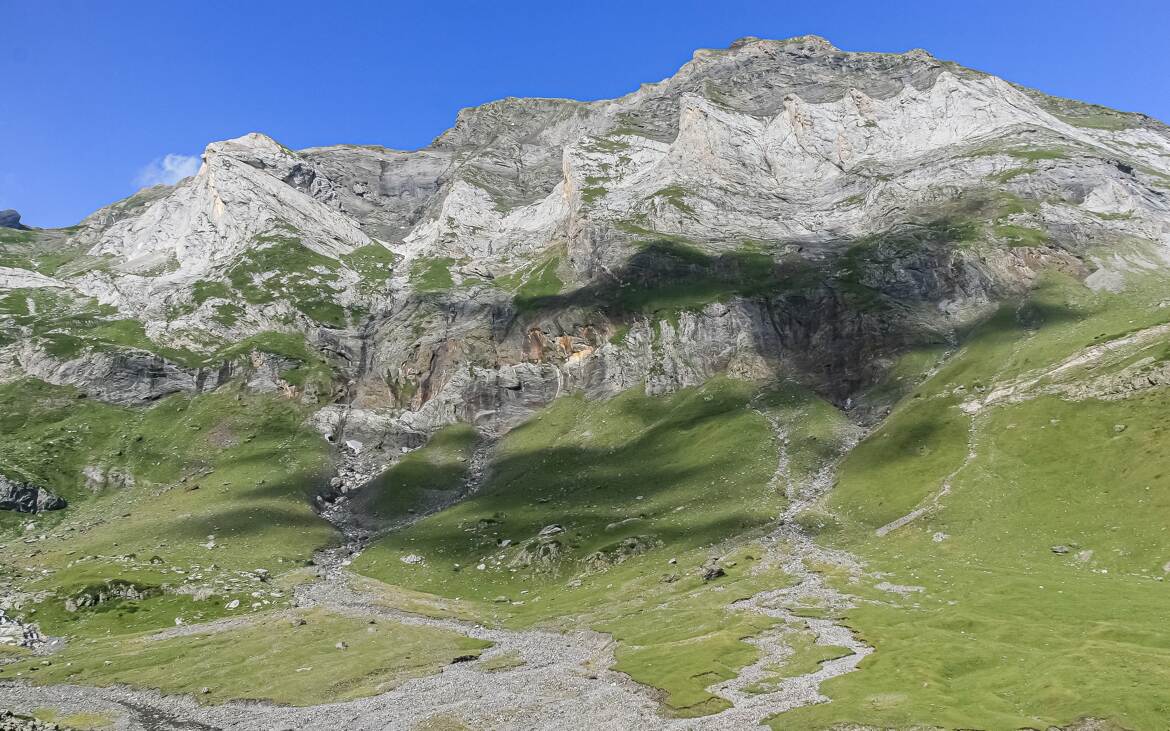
(564, 682)
(933, 501)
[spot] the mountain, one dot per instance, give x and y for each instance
(805, 387)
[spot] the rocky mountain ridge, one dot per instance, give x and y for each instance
(823, 211)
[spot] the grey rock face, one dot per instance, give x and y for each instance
(123, 377)
(23, 497)
(776, 207)
(11, 219)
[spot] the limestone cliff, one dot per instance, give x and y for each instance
(777, 206)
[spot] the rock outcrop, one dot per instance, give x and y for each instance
(11, 219)
(23, 497)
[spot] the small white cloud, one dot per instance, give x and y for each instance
(168, 170)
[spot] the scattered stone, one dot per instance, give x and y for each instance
(232, 604)
(1061, 549)
(412, 559)
(1118, 428)
(203, 593)
(341, 646)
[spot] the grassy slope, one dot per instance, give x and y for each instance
(273, 659)
(536, 281)
(432, 275)
(239, 468)
(684, 473)
(585, 465)
(281, 267)
(1007, 633)
(253, 460)
(82, 721)
(39, 251)
(425, 477)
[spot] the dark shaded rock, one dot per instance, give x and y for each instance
(11, 219)
(26, 498)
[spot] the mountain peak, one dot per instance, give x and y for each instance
(809, 42)
(254, 145)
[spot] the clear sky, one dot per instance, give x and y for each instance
(99, 98)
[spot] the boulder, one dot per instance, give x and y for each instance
(711, 571)
(550, 530)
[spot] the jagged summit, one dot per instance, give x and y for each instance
(790, 143)
(761, 141)
(805, 42)
(255, 143)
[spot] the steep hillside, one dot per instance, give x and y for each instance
(804, 387)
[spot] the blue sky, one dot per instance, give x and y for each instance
(94, 96)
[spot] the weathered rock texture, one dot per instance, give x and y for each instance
(777, 206)
(26, 498)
